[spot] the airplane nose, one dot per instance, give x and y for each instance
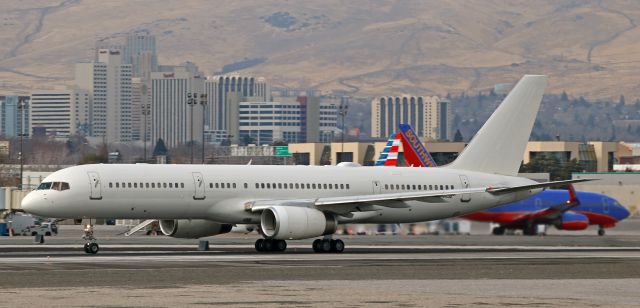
(29, 203)
(624, 213)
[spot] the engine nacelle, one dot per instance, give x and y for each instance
(294, 223)
(572, 221)
(195, 228)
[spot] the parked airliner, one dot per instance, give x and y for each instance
(300, 202)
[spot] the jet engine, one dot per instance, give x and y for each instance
(294, 223)
(195, 228)
(572, 221)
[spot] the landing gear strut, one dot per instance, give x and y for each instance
(264, 245)
(91, 246)
(328, 245)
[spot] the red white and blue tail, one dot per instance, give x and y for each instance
(389, 155)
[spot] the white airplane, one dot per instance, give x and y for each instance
(300, 202)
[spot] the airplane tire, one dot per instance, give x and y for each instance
(259, 245)
(498, 231)
(268, 245)
(325, 246)
(280, 245)
(337, 246)
(86, 247)
(93, 248)
(316, 245)
(601, 232)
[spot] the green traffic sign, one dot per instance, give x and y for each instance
(282, 151)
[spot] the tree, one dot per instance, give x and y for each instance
(458, 136)
(564, 97)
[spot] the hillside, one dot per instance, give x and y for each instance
(367, 48)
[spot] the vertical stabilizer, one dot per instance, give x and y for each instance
(499, 145)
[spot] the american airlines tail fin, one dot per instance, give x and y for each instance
(499, 145)
(389, 155)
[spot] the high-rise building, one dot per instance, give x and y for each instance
(14, 120)
(82, 105)
(174, 120)
(289, 119)
(223, 91)
(140, 52)
(51, 113)
(140, 109)
(109, 82)
(429, 116)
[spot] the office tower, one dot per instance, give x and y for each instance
(140, 52)
(51, 113)
(81, 106)
(109, 82)
(13, 119)
(174, 120)
(140, 109)
(220, 89)
(429, 116)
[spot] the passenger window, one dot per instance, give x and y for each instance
(257, 185)
(176, 185)
(297, 186)
(170, 185)
(402, 186)
(309, 186)
(391, 186)
(234, 185)
(246, 185)
(280, 185)
(341, 186)
(324, 186)
(146, 185)
(216, 185)
(159, 185)
(117, 185)
(228, 185)
(124, 185)
(182, 185)
(262, 185)
(129, 185)
(313, 185)
(330, 186)
(441, 187)
(210, 185)
(274, 185)
(268, 185)
(414, 187)
(153, 185)
(430, 187)
(164, 185)
(135, 185)
(347, 186)
(110, 185)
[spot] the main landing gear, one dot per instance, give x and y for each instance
(328, 245)
(601, 231)
(91, 246)
(319, 245)
(264, 245)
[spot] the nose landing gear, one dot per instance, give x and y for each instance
(91, 246)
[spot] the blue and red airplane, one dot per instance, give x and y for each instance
(564, 209)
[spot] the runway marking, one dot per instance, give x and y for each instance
(413, 247)
(311, 257)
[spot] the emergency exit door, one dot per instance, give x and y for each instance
(198, 182)
(96, 186)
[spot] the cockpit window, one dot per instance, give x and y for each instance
(44, 185)
(59, 186)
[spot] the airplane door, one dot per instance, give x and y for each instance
(198, 183)
(605, 204)
(376, 187)
(96, 186)
(464, 180)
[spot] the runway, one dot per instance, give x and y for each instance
(443, 271)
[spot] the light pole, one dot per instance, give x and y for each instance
(342, 111)
(22, 105)
(146, 110)
(203, 103)
(192, 100)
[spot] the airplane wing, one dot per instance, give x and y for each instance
(505, 190)
(393, 200)
(554, 210)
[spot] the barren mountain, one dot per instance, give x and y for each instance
(589, 48)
